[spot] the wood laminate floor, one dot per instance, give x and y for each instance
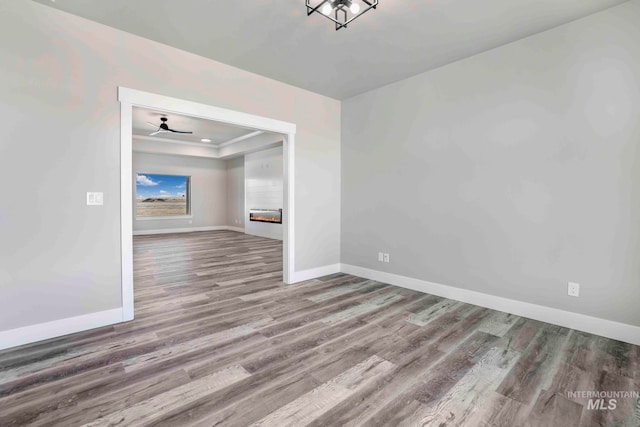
(218, 340)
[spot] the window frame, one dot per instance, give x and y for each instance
(188, 215)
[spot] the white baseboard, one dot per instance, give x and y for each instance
(301, 276)
(567, 319)
(57, 328)
(179, 230)
(238, 229)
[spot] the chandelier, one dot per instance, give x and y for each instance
(342, 12)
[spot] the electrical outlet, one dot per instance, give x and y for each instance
(380, 256)
(573, 289)
(386, 257)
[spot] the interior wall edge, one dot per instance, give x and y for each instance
(185, 230)
(57, 328)
(313, 273)
(580, 322)
(236, 229)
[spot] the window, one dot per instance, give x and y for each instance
(160, 196)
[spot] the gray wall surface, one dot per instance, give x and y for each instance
(208, 189)
(235, 192)
(263, 172)
(509, 173)
(61, 138)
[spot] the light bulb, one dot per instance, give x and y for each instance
(355, 8)
(326, 9)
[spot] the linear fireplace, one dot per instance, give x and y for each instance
(274, 216)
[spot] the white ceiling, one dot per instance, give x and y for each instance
(218, 133)
(276, 39)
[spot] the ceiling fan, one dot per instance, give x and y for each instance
(164, 127)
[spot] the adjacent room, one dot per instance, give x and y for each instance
(320, 213)
(207, 203)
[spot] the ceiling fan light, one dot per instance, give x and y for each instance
(326, 9)
(354, 8)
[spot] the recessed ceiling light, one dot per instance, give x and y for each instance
(205, 140)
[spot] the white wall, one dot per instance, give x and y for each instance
(263, 175)
(61, 138)
(208, 190)
(508, 173)
(235, 193)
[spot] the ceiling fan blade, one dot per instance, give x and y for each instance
(178, 131)
(151, 124)
(155, 133)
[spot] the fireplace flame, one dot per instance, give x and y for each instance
(265, 218)
(273, 216)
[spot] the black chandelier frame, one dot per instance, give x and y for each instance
(340, 16)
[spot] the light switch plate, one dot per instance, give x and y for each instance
(95, 198)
